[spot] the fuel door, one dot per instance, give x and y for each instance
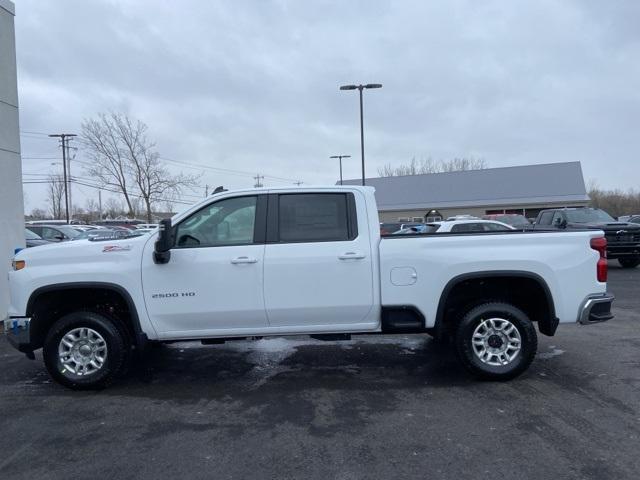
(403, 276)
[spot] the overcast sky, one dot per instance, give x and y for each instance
(252, 86)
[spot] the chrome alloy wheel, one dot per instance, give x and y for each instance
(82, 351)
(496, 342)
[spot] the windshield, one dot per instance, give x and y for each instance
(29, 235)
(68, 231)
(588, 215)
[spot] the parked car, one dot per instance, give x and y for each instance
(457, 226)
(623, 238)
(634, 219)
(517, 221)
(389, 228)
(300, 261)
(54, 233)
(146, 226)
(33, 239)
(462, 217)
(109, 234)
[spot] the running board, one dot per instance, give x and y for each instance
(332, 337)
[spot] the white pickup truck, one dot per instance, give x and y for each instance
(300, 261)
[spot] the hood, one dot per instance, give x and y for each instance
(83, 251)
(607, 226)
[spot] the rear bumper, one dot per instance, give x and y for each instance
(17, 331)
(596, 308)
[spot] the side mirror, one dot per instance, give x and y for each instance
(164, 243)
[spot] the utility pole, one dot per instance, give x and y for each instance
(206, 191)
(298, 183)
(257, 178)
(69, 177)
(63, 139)
(100, 203)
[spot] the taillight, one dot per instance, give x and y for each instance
(600, 244)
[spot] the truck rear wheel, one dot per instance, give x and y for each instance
(496, 341)
(629, 262)
(86, 350)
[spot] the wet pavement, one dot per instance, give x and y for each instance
(373, 407)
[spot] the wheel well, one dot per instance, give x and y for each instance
(529, 293)
(47, 306)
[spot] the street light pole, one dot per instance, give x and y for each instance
(340, 157)
(360, 88)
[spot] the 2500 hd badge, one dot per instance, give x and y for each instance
(173, 295)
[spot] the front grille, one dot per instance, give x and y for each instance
(626, 237)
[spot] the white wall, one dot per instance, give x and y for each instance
(11, 202)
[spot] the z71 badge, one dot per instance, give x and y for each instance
(116, 248)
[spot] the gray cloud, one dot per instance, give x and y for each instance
(252, 86)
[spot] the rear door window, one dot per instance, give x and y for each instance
(495, 227)
(467, 227)
(315, 217)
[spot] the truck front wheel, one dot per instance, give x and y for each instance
(85, 350)
(496, 341)
(629, 262)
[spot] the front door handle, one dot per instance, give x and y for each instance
(351, 256)
(238, 260)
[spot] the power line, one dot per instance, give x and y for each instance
(199, 166)
(225, 170)
(31, 132)
(106, 189)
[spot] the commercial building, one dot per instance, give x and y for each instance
(11, 202)
(523, 189)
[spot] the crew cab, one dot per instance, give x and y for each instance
(300, 261)
(623, 238)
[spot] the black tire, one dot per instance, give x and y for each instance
(116, 357)
(467, 352)
(632, 262)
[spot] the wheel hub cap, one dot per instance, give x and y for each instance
(82, 351)
(496, 341)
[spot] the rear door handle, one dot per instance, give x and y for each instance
(238, 260)
(351, 256)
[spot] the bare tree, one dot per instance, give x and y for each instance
(38, 214)
(428, 165)
(615, 202)
(113, 208)
(110, 163)
(55, 195)
(125, 156)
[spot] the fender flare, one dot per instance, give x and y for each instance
(140, 338)
(546, 326)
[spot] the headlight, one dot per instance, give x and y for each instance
(18, 264)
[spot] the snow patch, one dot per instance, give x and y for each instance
(553, 353)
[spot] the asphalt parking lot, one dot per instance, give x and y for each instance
(375, 407)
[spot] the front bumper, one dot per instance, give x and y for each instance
(622, 250)
(17, 332)
(596, 308)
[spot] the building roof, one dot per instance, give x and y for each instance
(521, 185)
